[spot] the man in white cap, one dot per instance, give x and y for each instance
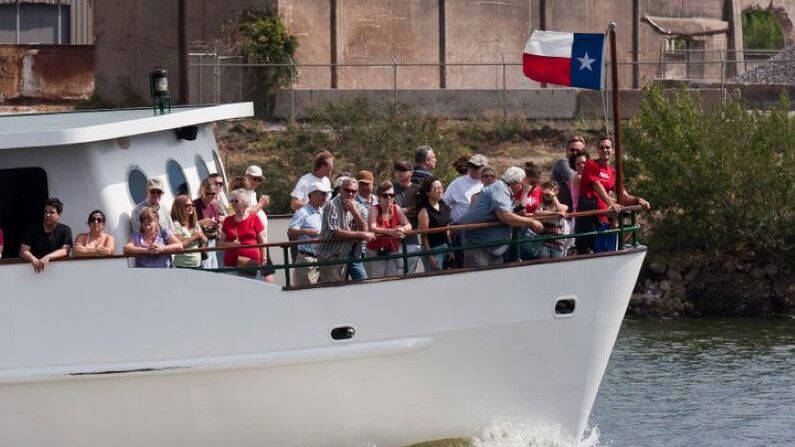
(254, 179)
(459, 194)
(154, 193)
(495, 204)
(322, 167)
(305, 226)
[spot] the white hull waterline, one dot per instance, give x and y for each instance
(95, 354)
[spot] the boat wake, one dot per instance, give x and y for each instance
(506, 434)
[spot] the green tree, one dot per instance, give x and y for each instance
(761, 30)
(720, 180)
(259, 35)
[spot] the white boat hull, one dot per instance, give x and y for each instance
(93, 353)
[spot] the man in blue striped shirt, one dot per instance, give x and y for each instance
(304, 226)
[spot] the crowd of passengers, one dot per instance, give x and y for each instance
(364, 218)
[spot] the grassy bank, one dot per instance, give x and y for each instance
(362, 137)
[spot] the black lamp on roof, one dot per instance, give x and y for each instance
(158, 90)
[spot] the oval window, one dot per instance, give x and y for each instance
(136, 183)
(201, 168)
(219, 168)
(176, 178)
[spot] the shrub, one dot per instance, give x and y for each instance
(259, 35)
(721, 180)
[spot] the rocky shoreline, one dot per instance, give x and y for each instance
(703, 285)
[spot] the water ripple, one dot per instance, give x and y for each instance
(701, 382)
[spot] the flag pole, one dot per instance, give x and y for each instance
(616, 113)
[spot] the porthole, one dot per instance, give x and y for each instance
(136, 183)
(201, 168)
(219, 168)
(176, 178)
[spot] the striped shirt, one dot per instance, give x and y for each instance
(335, 218)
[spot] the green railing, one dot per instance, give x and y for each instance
(627, 225)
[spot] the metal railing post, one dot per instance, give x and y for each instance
(620, 244)
(217, 73)
(723, 68)
(201, 76)
(504, 97)
(292, 88)
(634, 220)
(394, 77)
(286, 254)
(405, 256)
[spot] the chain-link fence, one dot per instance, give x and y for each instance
(218, 78)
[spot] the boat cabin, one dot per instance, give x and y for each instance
(102, 159)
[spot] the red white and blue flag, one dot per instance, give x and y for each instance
(572, 59)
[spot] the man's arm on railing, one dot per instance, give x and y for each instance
(514, 220)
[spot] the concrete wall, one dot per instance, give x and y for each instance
(502, 30)
(132, 37)
(46, 71)
(309, 21)
(206, 18)
(135, 35)
(374, 31)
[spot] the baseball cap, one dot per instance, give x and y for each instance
(318, 186)
(154, 183)
(478, 160)
(365, 177)
(254, 171)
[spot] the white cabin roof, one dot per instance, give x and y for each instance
(55, 129)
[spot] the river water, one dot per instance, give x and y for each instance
(717, 382)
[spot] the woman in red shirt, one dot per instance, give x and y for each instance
(243, 228)
(598, 179)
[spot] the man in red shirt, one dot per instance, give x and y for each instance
(598, 179)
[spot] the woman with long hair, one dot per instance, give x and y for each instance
(186, 228)
(210, 212)
(432, 212)
(389, 223)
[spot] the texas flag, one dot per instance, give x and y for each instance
(572, 59)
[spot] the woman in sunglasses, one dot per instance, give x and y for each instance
(432, 213)
(389, 223)
(210, 212)
(96, 242)
(186, 228)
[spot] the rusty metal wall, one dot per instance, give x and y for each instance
(46, 71)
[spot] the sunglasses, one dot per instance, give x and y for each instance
(387, 196)
(605, 147)
(188, 205)
(156, 192)
(96, 220)
(221, 184)
(352, 191)
(209, 194)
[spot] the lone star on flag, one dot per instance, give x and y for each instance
(585, 62)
